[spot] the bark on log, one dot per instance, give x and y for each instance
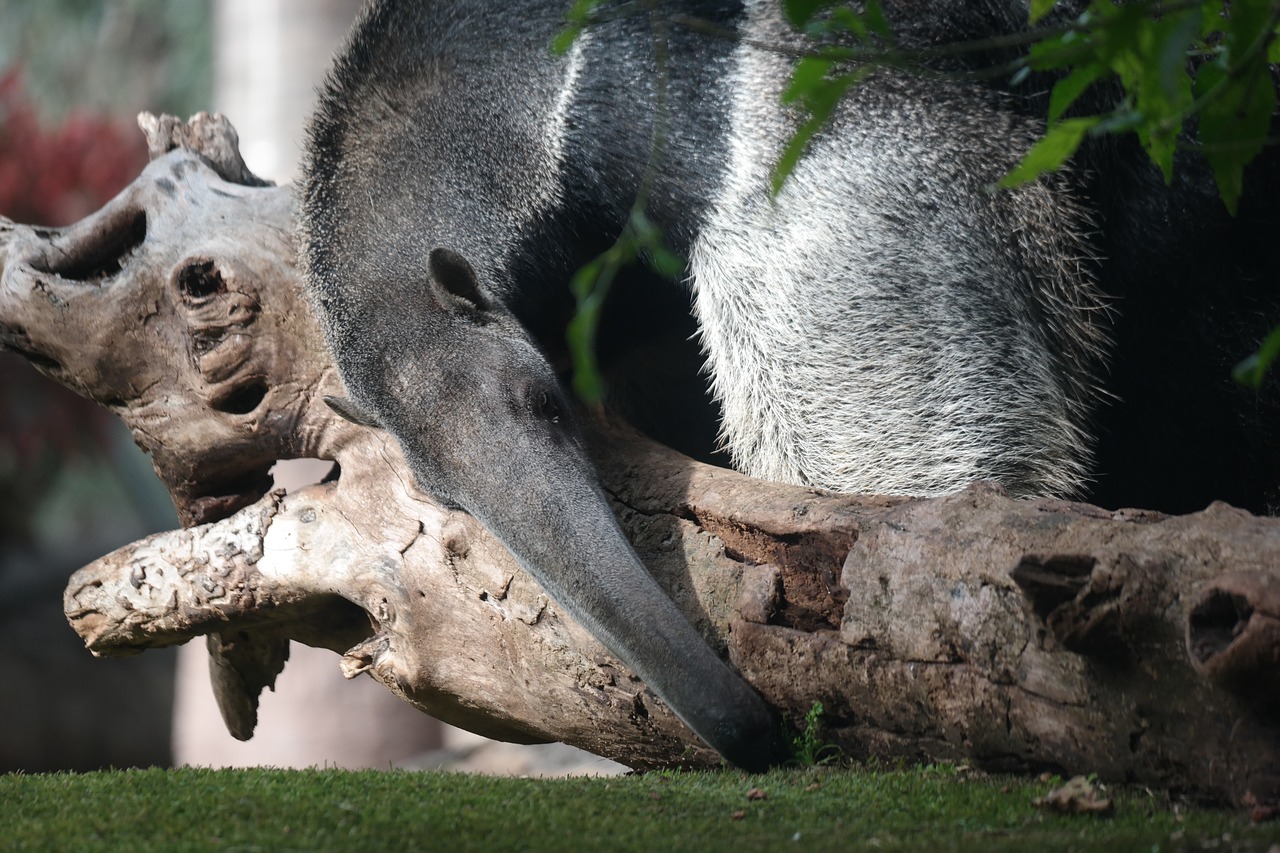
(1018, 635)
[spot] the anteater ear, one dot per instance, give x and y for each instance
(451, 274)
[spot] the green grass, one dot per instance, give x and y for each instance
(932, 810)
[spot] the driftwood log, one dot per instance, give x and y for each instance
(1013, 635)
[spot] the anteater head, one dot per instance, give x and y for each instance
(461, 384)
(485, 426)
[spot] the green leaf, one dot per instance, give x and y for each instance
(1153, 67)
(801, 12)
(590, 286)
(581, 333)
(1122, 120)
(1118, 41)
(588, 383)
(1213, 13)
(819, 98)
(1252, 370)
(808, 74)
(1048, 155)
(1160, 146)
(581, 11)
(876, 21)
(1234, 122)
(1059, 52)
(584, 280)
(564, 39)
(849, 21)
(791, 152)
(665, 263)
(1210, 77)
(1245, 24)
(577, 18)
(1171, 47)
(1069, 88)
(1040, 8)
(646, 241)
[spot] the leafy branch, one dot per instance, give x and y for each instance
(1189, 75)
(1206, 61)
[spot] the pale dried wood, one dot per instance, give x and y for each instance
(1019, 635)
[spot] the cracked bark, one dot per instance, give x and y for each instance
(1015, 635)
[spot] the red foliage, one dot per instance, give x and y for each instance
(51, 177)
(59, 175)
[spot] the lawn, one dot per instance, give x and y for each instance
(929, 809)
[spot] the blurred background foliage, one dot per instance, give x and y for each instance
(110, 57)
(73, 76)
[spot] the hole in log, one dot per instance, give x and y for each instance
(294, 474)
(223, 498)
(200, 279)
(1216, 622)
(1050, 582)
(812, 597)
(102, 254)
(243, 400)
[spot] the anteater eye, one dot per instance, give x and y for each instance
(545, 406)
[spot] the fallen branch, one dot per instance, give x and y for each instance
(1015, 635)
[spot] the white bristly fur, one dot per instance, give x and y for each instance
(834, 316)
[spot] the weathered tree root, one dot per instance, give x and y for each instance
(1018, 635)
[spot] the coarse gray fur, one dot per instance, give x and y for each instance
(885, 324)
(888, 324)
